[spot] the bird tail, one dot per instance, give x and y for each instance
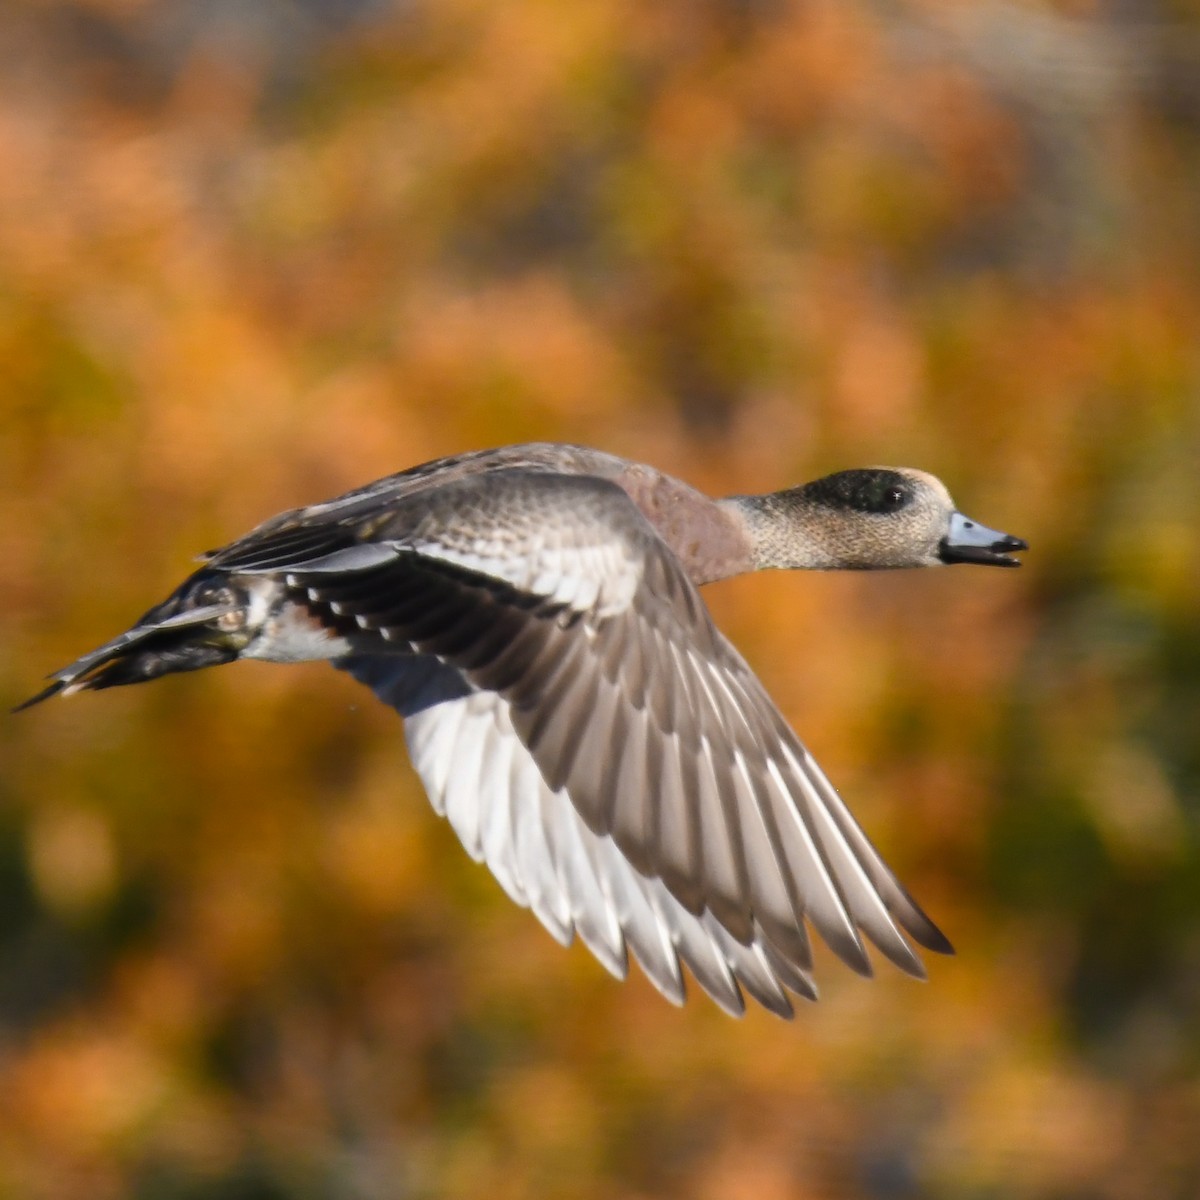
(202, 624)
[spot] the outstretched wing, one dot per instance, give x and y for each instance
(482, 779)
(627, 762)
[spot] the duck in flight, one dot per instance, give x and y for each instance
(533, 614)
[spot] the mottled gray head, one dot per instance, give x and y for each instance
(876, 518)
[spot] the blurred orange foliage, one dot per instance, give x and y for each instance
(254, 255)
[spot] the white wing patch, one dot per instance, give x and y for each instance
(600, 578)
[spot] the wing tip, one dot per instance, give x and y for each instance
(921, 929)
(849, 947)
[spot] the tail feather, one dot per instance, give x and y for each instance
(184, 633)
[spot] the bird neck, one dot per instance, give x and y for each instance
(783, 532)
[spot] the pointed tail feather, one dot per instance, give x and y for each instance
(184, 633)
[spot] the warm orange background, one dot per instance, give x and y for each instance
(252, 255)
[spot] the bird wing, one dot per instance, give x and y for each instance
(481, 778)
(611, 714)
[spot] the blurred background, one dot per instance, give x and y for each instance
(252, 255)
